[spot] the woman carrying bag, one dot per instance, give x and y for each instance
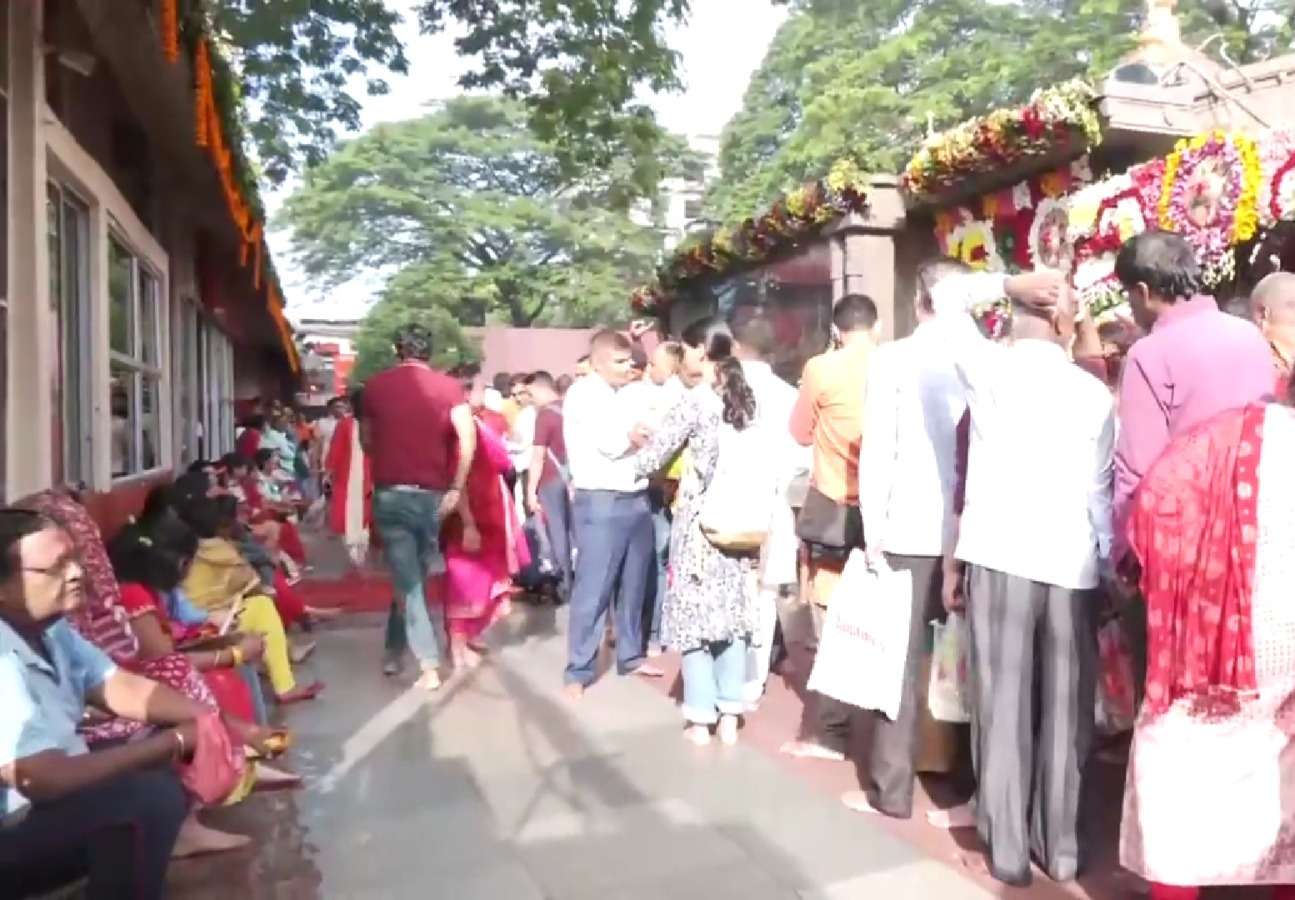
(710, 611)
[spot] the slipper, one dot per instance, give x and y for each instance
(299, 653)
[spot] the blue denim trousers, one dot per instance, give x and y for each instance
(661, 520)
(409, 523)
(713, 678)
(613, 534)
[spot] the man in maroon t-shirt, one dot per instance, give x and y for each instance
(549, 495)
(420, 437)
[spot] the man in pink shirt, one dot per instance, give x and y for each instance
(1194, 363)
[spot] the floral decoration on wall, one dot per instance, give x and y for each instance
(1054, 117)
(793, 219)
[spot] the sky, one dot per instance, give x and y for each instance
(722, 43)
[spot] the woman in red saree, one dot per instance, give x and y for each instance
(350, 510)
(1210, 793)
(484, 548)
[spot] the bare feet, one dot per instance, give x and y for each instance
(810, 750)
(858, 801)
(324, 615)
(976, 861)
(467, 658)
(196, 839)
(647, 670)
(727, 730)
(697, 735)
(300, 693)
(429, 681)
(299, 653)
(962, 816)
(269, 778)
(573, 691)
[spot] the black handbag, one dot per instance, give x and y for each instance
(829, 524)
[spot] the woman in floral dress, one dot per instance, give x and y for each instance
(709, 610)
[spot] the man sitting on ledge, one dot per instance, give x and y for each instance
(65, 812)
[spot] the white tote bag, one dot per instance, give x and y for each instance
(864, 647)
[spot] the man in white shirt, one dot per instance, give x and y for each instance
(650, 398)
(912, 403)
(611, 516)
(1036, 534)
(774, 401)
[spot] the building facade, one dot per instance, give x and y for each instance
(135, 309)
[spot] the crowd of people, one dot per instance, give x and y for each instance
(1039, 481)
(1036, 481)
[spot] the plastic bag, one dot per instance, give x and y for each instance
(948, 693)
(1116, 697)
(864, 648)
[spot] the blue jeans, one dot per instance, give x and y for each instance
(613, 533)
(253, 682)
(713, 678)
(409, 524)
(661, 558)
(556, 504)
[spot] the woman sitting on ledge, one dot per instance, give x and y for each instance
(219, 578)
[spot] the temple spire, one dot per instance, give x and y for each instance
(1161, 40)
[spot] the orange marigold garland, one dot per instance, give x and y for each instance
(170, 30)
(203, 101)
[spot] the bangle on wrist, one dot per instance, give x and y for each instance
(180, 748)
(237, 653)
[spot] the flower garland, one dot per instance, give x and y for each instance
(791, 220)
(170, 27)
(209, 134)
(1210, 194)
(1052, 117)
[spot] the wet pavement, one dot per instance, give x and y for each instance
(498, 787)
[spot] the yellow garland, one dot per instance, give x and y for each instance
(1172, 163)
(1245, 221)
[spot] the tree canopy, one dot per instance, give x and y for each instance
(577, 65)
(373, 342)
(865, 81)
(468, 211)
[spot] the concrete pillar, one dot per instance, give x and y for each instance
(870, 269)
(29, 402)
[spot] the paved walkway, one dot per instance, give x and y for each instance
(499, 788)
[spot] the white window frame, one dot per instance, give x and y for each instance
(83, 473)
(136, 364)
(110, 213)
(207, 353)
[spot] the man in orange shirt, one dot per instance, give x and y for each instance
(829, 417)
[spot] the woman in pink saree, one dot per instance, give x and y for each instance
(484, 547)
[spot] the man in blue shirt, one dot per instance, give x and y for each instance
(64, 811)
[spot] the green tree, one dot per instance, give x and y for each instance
(373, 343)
(576, 64)
(467, 210)
(866, 80)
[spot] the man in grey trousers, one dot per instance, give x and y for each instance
(1036, 535)
(912, 404)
